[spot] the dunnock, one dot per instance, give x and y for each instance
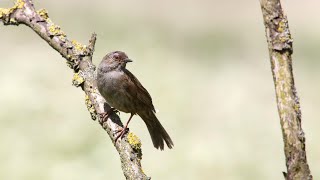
(123, 91)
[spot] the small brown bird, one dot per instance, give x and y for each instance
(123, 91)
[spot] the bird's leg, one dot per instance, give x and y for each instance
(124, 130)
(104, 116)
(119, 130)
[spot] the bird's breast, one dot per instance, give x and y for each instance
(112, 86)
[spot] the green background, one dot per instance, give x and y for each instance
(206, 65)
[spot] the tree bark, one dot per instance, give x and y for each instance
(79, 58)
(280, 50)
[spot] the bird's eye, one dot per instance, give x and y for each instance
(116, 56)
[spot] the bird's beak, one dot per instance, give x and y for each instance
(127, 60)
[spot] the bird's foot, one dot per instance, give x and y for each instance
(124, 129)
(122, 132)
(105, 115)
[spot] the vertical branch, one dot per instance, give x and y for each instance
(280, 50)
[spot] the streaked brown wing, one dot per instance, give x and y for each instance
(139, 91)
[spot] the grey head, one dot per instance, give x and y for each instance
(116, 60)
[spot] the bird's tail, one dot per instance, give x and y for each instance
(158, 134)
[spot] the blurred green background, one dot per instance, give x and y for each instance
(206, 65)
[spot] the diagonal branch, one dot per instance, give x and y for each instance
(280, 50)
(79, 58)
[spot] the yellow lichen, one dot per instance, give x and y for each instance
(54, 29)
(281, 26)
(19, 3)
(6, 11)
(90, 107)
(77, 79)
(69, 56)
(3, 12)
(134, 141)
(12, 20)
(78, 46)
(87, 101)
(43, 13)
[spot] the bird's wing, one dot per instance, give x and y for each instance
(137, 90)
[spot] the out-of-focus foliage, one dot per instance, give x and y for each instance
(206, 66)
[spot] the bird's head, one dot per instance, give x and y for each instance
(116, 60)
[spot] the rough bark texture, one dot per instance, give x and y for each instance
(280, 50)
(79, 58)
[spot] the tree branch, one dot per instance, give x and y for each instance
(79, 58)
(280, 50)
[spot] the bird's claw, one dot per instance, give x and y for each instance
(122, 132)
(105, 115)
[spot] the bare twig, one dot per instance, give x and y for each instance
(280, 50)
(79, 58)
